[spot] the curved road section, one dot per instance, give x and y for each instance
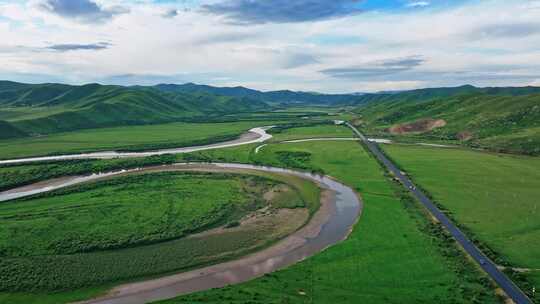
(255, 135)
(516, 294)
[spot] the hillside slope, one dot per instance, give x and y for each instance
(445, 92)
(284, 97)
(508, 121)
(8, 131)
(49, 108)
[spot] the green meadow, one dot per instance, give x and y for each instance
(122, 212)
(493, 196)
(394, 254)
(126, 138)
(73, 243)
(317, 131)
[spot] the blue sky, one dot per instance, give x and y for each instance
(311, 45)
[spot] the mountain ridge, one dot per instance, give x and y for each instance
(27, 109)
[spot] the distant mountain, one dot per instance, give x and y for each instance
(505, 119)
(48, 108)
(283, 97)
(287, 97)
(433, 93)
(198, 88)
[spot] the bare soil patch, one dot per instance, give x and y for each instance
(419, 126)
(465, 136)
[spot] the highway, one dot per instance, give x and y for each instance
(487, 265)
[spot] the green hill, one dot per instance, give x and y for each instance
(284, 97)
(8, 131)
(434, 93)
(49, 108)
(503, 119)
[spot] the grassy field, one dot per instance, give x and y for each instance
(495, 196)
(392, 255)
(126, 138)
(12, 176)
(123, 212)
(323, 130)
(186, 207)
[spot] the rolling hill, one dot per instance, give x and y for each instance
(283, 97)
(27, 109)
(505, 119)
(502, 119)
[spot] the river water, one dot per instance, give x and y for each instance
(255, 135)
(330, 225)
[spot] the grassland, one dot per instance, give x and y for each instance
(494, 196)
(322, 130)
(394, 255)
(122, 212)
(125, 138)
(184, 208)
(12, 176)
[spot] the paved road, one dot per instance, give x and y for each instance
(487, 265)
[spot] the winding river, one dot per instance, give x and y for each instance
(255, 135)
(332, 223)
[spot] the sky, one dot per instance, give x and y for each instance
(331, 46)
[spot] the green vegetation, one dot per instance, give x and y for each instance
(51, 108)
(42, 109)
(123, 212)
(395, 254)
(44, 231)
(51, 298)
(391, 256)
(298, 131)
(284, 97)
(134, 138)
(444, 92)
(8, 131)
(12, 176)
(493, 196)
(498, 120)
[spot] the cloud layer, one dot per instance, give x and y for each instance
(267, 11)
(82, 10)
(78, 47)
(310, 45)
(376, 69)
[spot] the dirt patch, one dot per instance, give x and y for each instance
(504, 296)
(357, 122)
(271, 194)
(465, 136)
(419, 126)
(277, 223)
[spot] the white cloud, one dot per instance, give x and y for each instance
(535, 83)
(202, 48)
(418, 4)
